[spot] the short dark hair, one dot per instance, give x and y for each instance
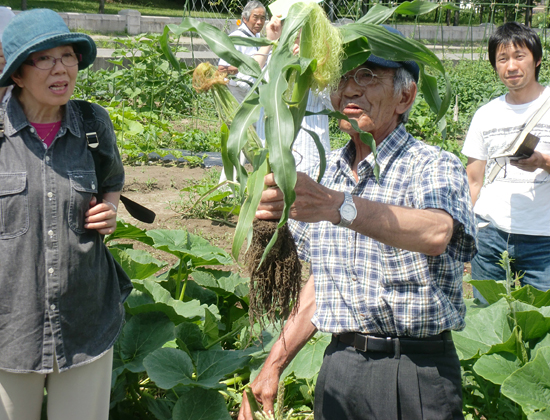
(519, 36)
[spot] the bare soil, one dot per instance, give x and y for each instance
(158, 187)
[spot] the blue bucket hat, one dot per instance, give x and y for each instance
(39, 30)
(410, 66)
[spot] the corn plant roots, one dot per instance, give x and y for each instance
(276, 283)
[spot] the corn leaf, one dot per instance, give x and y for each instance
(279, 135)
(227, 165)
(247, 114)
(255, 187)
(377, 14)
(321, 150)
(220, 43)
(167, 51)
(416, 7)
(431, 95)
(391, 46)
(251, 41)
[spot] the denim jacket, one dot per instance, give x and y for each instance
(59, 291)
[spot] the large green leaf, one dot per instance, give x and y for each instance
(138, 264)
(214, 365)
(224, 283)
(169, 367)
(220, 44)
(191, 335)
(532, 296)
(129, 231)
(150, 296)
(514, 345)
(141, 335)
(529, 386)
(533, 324)
(487, 327)
(186, 245)
(201, 404)
(497, 367)
(160, 407)
(309, 359)
(491, 290)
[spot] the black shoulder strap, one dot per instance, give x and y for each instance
(88, 117)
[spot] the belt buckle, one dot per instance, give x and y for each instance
(360, 342)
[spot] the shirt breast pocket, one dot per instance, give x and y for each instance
(402, 267)
(83, 187)
(14, 205)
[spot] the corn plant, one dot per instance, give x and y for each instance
(283, 94)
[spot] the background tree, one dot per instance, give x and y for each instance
(101, 6)
(23, 4)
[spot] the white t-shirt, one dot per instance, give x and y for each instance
(516, 201)
(243, 32)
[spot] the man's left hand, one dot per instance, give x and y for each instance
(535, 161)
(314, 202)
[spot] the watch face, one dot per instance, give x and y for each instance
(348, 212)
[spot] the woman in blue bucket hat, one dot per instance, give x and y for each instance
(61, 292)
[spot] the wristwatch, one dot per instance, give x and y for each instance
(348, 211)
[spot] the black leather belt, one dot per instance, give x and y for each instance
(396, 345)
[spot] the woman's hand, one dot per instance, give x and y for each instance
(102, 216)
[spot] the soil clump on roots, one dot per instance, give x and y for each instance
(276, 283)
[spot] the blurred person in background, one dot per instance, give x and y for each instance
(253, 21)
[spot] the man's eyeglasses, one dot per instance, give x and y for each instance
(47, 62)
(363, 77)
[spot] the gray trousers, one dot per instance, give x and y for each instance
(353, 385)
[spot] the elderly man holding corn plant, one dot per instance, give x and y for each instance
(386, 258)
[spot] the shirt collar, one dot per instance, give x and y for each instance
(386, 150)
(18, 120)
(247, 31)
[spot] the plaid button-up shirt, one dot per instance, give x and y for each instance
(363, 285)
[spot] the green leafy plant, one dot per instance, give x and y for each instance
(505, 351)
(205, 200)
(183, 354)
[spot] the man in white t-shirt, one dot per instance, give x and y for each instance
(253, 20)
(512, 208)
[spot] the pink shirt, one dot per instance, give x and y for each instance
(47, 132)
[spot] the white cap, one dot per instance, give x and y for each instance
(6, 15)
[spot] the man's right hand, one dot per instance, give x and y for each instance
(297, 331)
(264, 388)
(274, 28)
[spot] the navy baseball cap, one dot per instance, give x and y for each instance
(410, 66)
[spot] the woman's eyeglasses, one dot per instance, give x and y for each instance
(47, 62)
